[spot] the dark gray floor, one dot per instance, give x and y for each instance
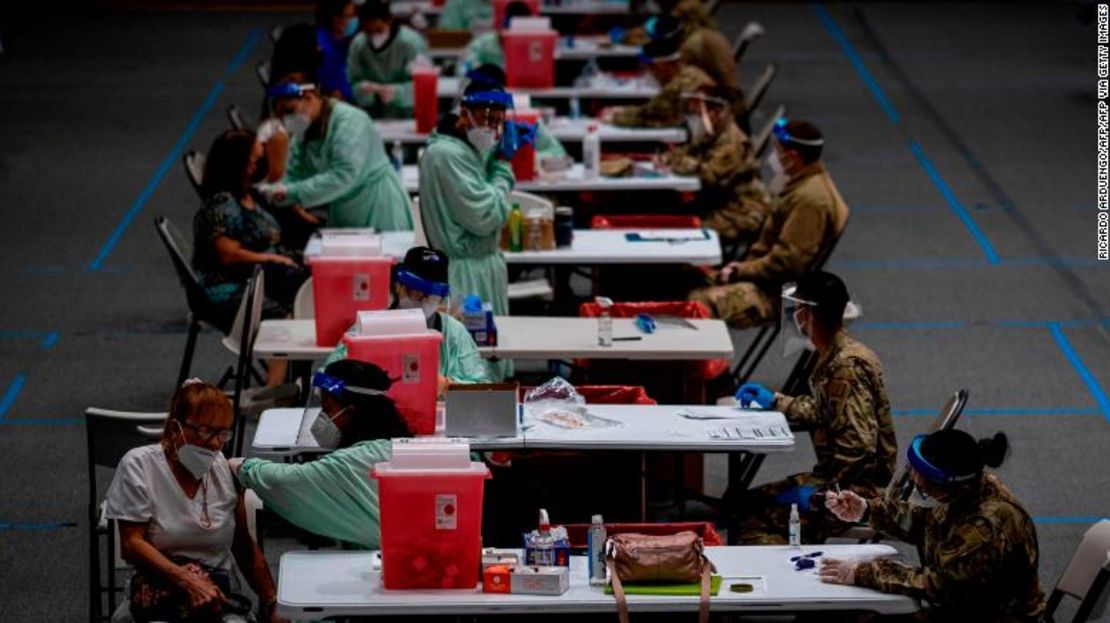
(95, 107)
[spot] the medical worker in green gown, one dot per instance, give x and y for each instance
(334, 495)
(336, 159)
(472, 15)
(378, 64)
(465, 181)
(420, 282)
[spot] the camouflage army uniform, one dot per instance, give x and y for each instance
(732, 196)
(693, 14)
(853, 437)
(980, 557)
(708, 50)
(804, 222)
(666, 108)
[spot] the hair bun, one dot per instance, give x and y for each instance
(994, 449)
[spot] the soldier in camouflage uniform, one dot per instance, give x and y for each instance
(675, 78)
(979, 546)
(806, 219)
(848, 417)
(732, 199)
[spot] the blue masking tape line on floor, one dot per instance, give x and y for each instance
(51, 340)
(857, 62)
(175, 153)
(11, 394)
(69, 421)
(907, 325)
(973, 412)
(37, 527)
(954, 203)
(892, 114)
(1076, 362)
(1082, 520)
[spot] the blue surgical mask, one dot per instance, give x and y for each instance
(351, 29)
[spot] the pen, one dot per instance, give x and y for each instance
(631, 338)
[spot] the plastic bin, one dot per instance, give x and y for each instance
(645, 221)
(499, 7)
(431, 521)
(608, 394)
(529, 59)
(683, 309)
(413, 361)
(524, 161)
(425, 99)
(343, 286)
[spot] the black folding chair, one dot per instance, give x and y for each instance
(108, 436)
(201, 310)
(262, 70)
(194, 170)
(755, 352)
(275, 32)
(756, 94)
(751, 32)
(239, 119)
(253, 298)
(763, 138)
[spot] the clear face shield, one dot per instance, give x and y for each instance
(287, 104)
(796, 314)
(420, 293)
(699, 114)
(326, 405)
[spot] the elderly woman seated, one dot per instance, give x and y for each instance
(182, 521)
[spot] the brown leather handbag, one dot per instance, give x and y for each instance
(675, 558)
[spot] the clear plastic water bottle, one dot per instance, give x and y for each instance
(596, 549)
(575, 108)
(591, 152)
(795, 527)
(397, 155)
(604, 322)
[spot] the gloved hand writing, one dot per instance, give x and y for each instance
(797, 495)
(515, 136)
(755, 396)
(835, 571)
(846, 505)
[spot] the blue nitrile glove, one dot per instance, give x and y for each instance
(616, 34)
(515, 136)
(797, 495)
(754, 392)
(645, 323)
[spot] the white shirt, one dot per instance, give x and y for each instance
(144, 490)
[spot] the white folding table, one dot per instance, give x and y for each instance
(590, 247)
(448, 87)
(583, 48)
(590, 7)
(533, 337)
(574, 180)
(649, 428)
(565, 129)
(314, 585)
(541, 337)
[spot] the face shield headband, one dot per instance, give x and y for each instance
(415, 282)
(786, 139)
(929, 471)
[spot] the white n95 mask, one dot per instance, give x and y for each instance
(483, 139)
(921, 500)
(377, 40)
(196, 459)
(296, 124)
(696, 126)
(324, 430)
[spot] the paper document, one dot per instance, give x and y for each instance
(752, 433)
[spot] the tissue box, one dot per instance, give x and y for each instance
(482, 410)
(525, 580)
(556, 556)
(492, 557)
(540, 580)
